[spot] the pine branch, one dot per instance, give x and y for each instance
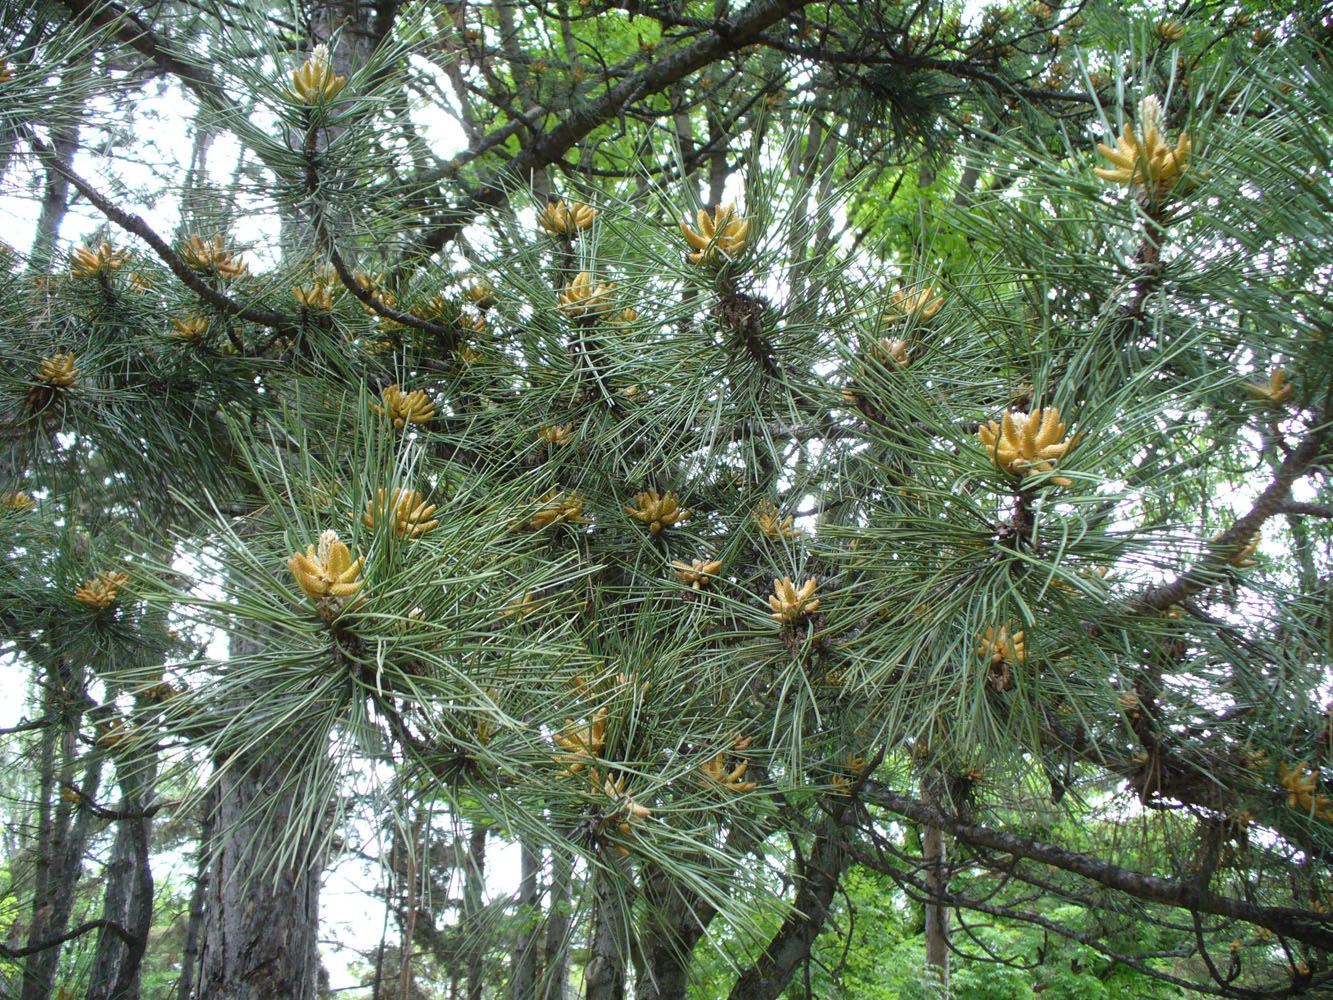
(727, 35)
(1213, 567)
(324, 234)
(134, 224)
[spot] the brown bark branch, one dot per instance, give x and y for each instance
(1305, 509)
(1010, 911)
(1213, 567)
(1308, 927)
(132, 223)
(84, 928)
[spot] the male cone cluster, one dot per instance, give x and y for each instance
(327, 573)
(1022, 443)
(1142, 157)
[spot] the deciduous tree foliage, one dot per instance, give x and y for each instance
(759, 478)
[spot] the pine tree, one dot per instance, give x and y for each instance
(707, 517)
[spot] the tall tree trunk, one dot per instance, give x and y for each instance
(474, 935)
(37, 980)
(261, 924)
(818, 877)
(674, 920)
(605, 971)
(128, 897)
(351, 31)
(261, 915)
(528, 934)
(555, 976)
(51, 911)
(63, 831)
(195, 920)
(933, 850)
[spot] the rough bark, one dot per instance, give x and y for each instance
(262, 901)
(605, 971)
(128, 897)
(44, 868)
(718, 167)
(933, 851)
(51, 912)
(675, 919)
(63, 833)
(673, 924)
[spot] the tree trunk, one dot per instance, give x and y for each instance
(555, 976)
(673, 924)
(818, 880)
(937, 916)
(605, 971)
(675, 920)
(261, 914)
(718, 169)
(528, 934)
(195, 921)
(51, 911)
(351, 31)
(128, 897)
(63, 833)
(933, 850)
(474, 935)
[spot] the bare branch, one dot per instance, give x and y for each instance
(1308, 927)
(70, 935)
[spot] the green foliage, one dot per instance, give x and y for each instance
(535, 655)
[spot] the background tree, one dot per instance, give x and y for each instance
(722, 465)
